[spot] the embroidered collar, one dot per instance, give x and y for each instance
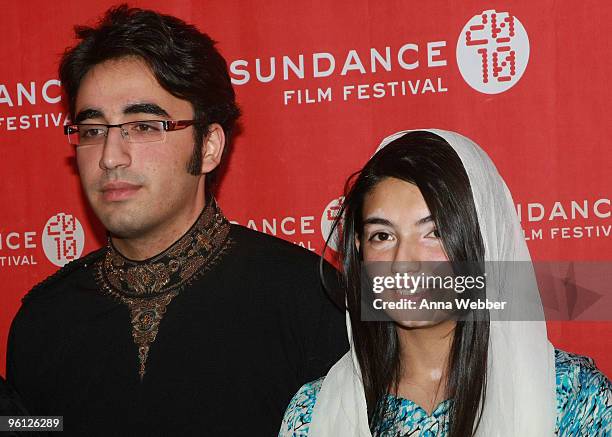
(147, 287)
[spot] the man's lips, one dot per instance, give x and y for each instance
(115, 191)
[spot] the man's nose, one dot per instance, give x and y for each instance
(115, 152)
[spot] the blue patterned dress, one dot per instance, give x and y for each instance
(584, 405)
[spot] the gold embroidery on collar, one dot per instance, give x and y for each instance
(147, 287)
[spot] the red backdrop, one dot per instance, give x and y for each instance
(538, 106)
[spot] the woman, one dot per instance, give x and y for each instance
(434, 196)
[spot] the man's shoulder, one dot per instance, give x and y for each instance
(47, 305)
(46, 287)
(258, 244)
(266, 255)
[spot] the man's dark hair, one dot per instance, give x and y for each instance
(184, 61)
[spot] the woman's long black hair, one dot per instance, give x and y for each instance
(429, 162)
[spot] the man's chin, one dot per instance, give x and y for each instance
(123, 225)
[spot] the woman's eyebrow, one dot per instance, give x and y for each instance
(376, 221)
(424, 220)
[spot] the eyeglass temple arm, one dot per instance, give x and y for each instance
(180, 124)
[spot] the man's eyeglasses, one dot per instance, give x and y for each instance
(147, 131)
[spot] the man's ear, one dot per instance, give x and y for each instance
(213, 145)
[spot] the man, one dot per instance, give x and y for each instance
(184, 324)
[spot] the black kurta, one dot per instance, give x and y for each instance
(231, 349)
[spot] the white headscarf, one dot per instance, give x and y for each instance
(520, 395)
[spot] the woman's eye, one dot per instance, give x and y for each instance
(434, 234)
(380, 236)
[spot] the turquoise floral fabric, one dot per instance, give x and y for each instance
(584, 405)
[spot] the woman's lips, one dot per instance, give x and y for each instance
(117, 191)
(405, 294)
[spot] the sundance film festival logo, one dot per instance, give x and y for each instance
(331, 212)
(63, 239)
(19, 100)
(493, 51)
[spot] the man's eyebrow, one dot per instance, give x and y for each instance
(86, 114)
(145, 108)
